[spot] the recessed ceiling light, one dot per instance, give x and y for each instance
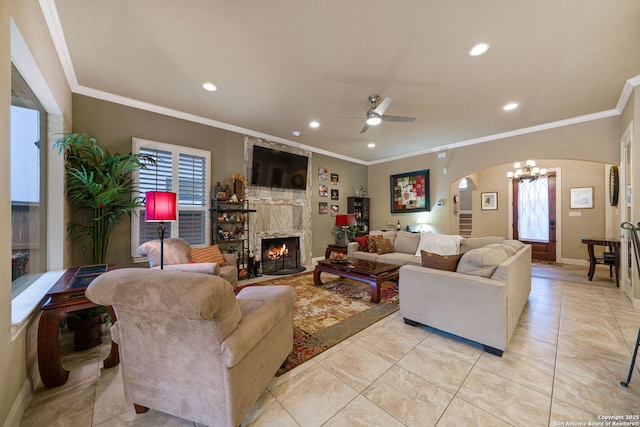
(210, 87)
(510, 106)
(371, 145)
(296, 133)
(314, 124)
(479, 49)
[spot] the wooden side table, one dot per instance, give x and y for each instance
(63, 298)
(610, 258)
(334, 248)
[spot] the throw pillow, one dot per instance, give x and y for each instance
(384, 246)
(362, 242)
(482, 261)
(208, 254)
(371, 242)
(440, 262)
(406, 242)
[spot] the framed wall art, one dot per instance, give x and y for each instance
(410, 192)
(489, 201)
(582, 198)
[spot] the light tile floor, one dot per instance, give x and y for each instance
(564, 364)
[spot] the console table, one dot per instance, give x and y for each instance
(610, 258)
(63, 298)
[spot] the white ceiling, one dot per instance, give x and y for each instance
(280, 64)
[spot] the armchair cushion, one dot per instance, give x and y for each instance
(203, 268)
(175, 251)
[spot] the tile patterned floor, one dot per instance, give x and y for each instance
(571, 349)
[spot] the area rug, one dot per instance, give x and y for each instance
(325, 315)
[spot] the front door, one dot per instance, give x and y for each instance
(534, 215)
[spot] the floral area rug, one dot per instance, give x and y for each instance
(325, 315)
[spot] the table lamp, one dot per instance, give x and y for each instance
(160, 207)
(345, 221)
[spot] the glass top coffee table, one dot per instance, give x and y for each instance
(371, 272)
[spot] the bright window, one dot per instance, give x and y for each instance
(533, 210)
(28, 185)
(185, 171)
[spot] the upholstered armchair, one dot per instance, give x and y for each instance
(189, 346)
(180, 256)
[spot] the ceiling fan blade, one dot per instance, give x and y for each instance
(398, 119)
(349, 117)
(382, 107)
(364, 129)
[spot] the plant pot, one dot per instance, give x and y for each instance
(87, 333)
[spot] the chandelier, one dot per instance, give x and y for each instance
(526, 171)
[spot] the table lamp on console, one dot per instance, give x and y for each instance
(345, 221)
(160, 207)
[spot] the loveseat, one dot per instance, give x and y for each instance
(178, 255)
(477, 293)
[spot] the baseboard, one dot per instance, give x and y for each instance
(22, 401)
(572, 261)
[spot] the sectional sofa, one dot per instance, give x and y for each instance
(476, 288)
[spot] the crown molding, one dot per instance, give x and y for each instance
(55, 28)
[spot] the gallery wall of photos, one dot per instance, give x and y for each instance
(328, 188)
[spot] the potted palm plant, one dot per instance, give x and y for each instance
(100, 184)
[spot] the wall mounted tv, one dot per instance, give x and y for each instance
(278, 169)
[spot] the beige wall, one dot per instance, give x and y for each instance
(351, 177)
(17, 358)
(113, 125)
(595, 141)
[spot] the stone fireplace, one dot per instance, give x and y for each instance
(280, 214)
(281, 255)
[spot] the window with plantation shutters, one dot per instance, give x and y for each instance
(185, 171)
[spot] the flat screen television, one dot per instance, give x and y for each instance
(278, 169)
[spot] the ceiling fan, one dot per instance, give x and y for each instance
(375, 115)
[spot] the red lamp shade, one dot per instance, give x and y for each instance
(345, 220)
(160, 206)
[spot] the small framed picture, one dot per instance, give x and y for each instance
(323, 190)
(582, 198)
(335, 194)
(323, 207)
(323, 174)
(489, 201)
(334, 179)
(335, 210)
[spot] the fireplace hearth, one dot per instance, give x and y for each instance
(281, 255)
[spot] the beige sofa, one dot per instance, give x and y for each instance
(406, 244)
(481, 301)
(189, 347)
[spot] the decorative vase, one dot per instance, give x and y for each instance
(221, 196)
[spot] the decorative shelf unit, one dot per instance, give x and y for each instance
(230, 231)
(360, 207)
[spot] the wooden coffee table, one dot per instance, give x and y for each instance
(371, 272)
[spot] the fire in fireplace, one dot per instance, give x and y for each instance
(281, 255)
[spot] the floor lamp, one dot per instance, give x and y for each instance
(160, 207)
